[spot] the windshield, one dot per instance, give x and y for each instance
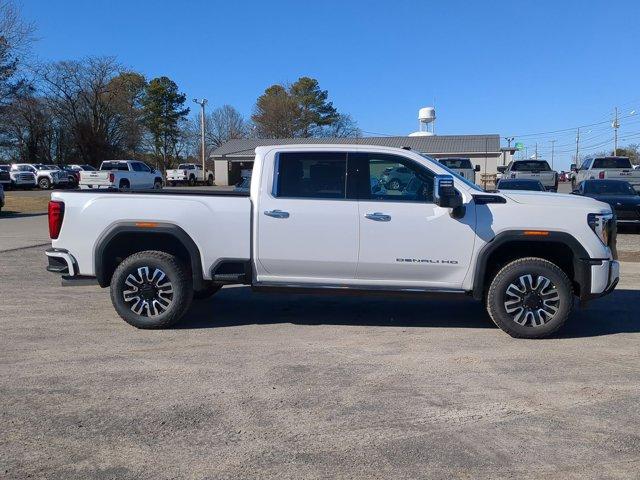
(612, 162)
(609, 187)
(456, 163)
(5, 168)
(531, 166)
(185, 166)
(459, 177)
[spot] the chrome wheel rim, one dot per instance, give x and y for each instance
(532, 300)
(148, 292)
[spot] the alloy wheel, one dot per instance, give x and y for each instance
(149, 293)
(532, 300)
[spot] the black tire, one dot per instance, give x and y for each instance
(173, 184)
(192, 181)
(162, 308)
(210, 180)
(157, 184)
(394, 184)
(529, 317)
(44, 183)
(124, 185)
(209, 290)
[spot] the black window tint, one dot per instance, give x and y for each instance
(531, 166)
(393, 178)
(311, 175)
(612, 162)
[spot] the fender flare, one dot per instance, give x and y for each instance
(581, 260)
(170, 229)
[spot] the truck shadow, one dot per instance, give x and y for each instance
(238, 306)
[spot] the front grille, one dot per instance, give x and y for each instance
(628, 214)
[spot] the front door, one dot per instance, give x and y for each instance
(405, 239)
(307, 229)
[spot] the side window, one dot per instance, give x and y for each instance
(136, 167)
(586, 164)
(311, 175)
(393, 178)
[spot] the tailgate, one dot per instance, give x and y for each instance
(546, 178)
(95, 178)
(628, 175)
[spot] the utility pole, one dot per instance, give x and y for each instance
(577, 147)
(202, 103)
(615, 126)
(552, 148)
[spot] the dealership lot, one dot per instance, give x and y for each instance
(297, 386)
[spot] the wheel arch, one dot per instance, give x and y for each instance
(560, 248)
(126, 238)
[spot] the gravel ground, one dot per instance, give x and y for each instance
(282, 386)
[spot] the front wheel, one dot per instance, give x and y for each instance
(151, 289)
(530, 298)
(210, 180)
(157, 184)
(44, 183)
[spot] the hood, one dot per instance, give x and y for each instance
(544, 199)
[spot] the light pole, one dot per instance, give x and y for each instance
(202, 103)
(615, 126)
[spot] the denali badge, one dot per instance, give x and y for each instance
(425, 260)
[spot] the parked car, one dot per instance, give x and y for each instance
(22, 177)
(531, 185)
(1, 197)
(81, 168)
(189, 173)
(462, 166)
(533, 170)
(46, 176)
(122, 175)
(607, 168)
(306, 225)
(620, 195)
(396, 178)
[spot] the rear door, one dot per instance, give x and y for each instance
(405, 239)
(307, 229)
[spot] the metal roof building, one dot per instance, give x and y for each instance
(236, 156)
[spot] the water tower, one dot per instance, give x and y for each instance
(426, 122)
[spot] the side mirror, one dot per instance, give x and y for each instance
(502, 168)
(573, 167)
(444, 192)
(476, 168)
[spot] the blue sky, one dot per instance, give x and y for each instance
(507, 67)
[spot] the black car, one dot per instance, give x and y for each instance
(515, 184)
(622, 197)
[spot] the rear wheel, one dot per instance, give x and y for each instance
(157, 184)
(530, 298)
(210, 180)
(124, 185)
(192, 181)
(151, 289)
(394, 184)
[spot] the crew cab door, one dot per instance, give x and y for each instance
(405, 238)
(307, 230)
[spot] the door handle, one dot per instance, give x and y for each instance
(276, 214)
(378, 217)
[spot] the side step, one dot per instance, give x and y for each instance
(229, 278)
(231, 271)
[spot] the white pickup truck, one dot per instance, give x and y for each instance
(533, 170)
(189, 173)
(314, 221)
(607, 168)
(121, 175)
(462, 166)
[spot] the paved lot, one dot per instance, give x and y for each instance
(275, 386)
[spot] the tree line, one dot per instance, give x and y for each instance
(93, 109)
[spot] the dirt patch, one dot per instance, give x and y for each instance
(23, 204)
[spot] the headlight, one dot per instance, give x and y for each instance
(601, 224)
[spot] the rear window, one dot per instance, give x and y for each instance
(88, 168)
(311, 175)
(185, 166)
(520, 185)
(531, 166)
(611, 162)
(456, 163)
(114, 166)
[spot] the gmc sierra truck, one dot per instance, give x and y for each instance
(607, 168)
(121, 175)
(189, 173)
(533, 170)
(314, 221)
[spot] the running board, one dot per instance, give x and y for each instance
(229, 278)
(306, 288)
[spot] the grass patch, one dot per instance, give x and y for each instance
(25, 204)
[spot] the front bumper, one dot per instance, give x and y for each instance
(604, 277)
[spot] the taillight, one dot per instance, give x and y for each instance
(56, 214)
(112, 177)
(601, 175)
(185, 172)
